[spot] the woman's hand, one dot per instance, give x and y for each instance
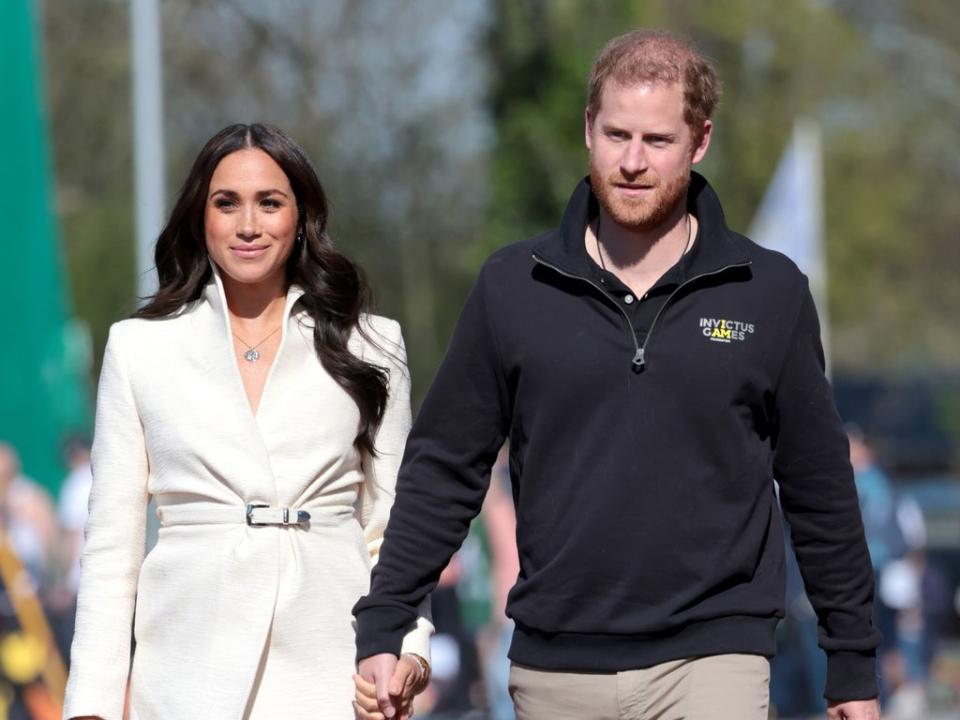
(365, 705)
(386, 686)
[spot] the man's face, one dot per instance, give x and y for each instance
(641, 151)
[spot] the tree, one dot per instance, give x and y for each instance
(386, 99)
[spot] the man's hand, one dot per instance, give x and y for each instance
(376, 670)
(853, 710)
(385, 687)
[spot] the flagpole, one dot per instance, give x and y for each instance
(149, 176)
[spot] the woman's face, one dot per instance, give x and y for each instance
(250, 219)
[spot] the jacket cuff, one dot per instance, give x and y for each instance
(381, 630)
(851, 676)
(98, 680)
(94, 697)
(417, 640)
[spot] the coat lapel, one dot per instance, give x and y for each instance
(249, 471)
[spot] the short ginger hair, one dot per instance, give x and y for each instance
(657, 56)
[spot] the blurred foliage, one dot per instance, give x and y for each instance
(445, 130)
(396, 129)
(88, 62)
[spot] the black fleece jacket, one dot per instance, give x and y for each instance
(647, 520)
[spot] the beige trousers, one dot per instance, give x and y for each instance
(718, 687)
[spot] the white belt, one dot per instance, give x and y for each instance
(253, 515)
(258, 515)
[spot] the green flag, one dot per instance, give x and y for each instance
(44, 355)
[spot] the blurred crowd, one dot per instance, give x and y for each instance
(916, 602)
(916, 606)
(40, 542)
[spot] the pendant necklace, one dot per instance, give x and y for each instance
(251, 355)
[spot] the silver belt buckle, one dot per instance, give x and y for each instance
(301, 517)
(250, 508)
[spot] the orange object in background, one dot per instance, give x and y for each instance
(33, 621)
(40, 704)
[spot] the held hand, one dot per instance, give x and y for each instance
(409, 679)
(376, 670)
(386, 687)
(365, 705)
(853, 710)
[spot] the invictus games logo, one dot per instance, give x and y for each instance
(725, 331)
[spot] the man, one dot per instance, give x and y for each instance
(654, 372)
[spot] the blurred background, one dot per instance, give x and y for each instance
(443, 130)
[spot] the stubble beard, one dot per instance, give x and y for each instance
(639, 214)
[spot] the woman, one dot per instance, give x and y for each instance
(266, 413)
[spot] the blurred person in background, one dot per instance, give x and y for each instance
(798, 670)
(918, 595)
(500, 519)
(27, 518)
(885, 541)
(913, 596)
(72, 504)
(654, 371)
(454, 668)
(470, 667)
(72, 515)
(28, 531)
(262, 406)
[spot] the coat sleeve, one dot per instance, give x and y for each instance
(442, 480)
(819, 499)
(114, 547)
(380, 473)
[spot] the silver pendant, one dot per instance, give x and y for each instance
(251, 355)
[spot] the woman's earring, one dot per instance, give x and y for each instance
(300, 237)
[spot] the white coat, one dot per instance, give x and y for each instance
(231, 621)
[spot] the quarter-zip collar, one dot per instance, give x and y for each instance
(719, 246)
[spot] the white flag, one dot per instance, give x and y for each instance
(790, 217)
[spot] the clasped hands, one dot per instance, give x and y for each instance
(387, 685)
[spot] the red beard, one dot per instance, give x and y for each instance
(639, 214)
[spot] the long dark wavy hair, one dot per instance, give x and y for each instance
(336, 292)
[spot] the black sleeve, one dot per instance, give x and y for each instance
(819, 499)
(442, 481)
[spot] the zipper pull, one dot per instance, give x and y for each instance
(638, 360)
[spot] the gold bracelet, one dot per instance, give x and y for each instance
(424, 667)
